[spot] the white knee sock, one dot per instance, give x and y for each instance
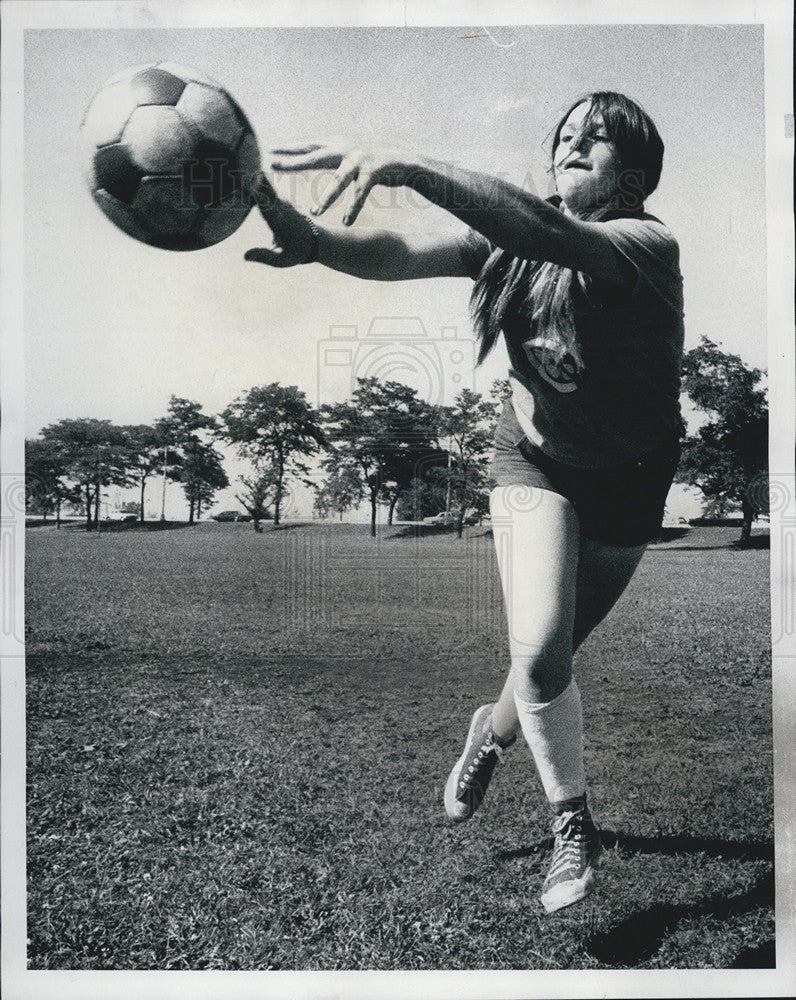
(554, 732)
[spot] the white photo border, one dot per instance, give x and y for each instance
(776, 16)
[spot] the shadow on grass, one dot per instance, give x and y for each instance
(759, 542)
(639, 936)
(755, 542)
(762, 956)
(671, 534)
(424, 531)
(113, 527)
(667, 537)
(732, 850)
(762, 541)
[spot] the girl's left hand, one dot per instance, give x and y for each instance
(293, 239)
(352, 165)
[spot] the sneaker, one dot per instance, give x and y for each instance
(472, 772)
(575, 852)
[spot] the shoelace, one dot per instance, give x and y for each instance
(569, 826)
(571, 840)
(483, 752)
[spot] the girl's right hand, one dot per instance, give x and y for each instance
(361, 169)
(294, 236)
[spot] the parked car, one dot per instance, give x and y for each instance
(231, 515)
(452, 516)
(444, 517)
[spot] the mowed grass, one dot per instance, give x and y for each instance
(237, 746)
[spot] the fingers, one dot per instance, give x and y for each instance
(361, 191)
(320, 159)
(348, 170)
(346, 173)
(309, 147)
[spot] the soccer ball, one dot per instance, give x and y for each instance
(167, 154)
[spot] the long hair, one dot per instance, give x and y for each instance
(540, 292)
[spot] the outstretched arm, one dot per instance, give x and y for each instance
(508, 216)
(380, 255)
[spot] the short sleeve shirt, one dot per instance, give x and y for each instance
(625, 400)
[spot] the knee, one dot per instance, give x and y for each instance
(542, 670)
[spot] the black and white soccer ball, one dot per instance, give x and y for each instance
(169, 156)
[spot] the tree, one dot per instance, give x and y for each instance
(260, 492)
(729, 452)
(382, 435)
(46, 471)
(425, 496)
(149, 453)
(94, 454)
(404, 465)
(413, 427)
(275, 427)
(341, 491)
(500, 390)
(201, 475)
(469, 427)
(187, 456)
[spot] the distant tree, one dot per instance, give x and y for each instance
(46, 471)
(149, 450)
(184, 418)
(480, 504)
(425, 497)
(728, 453)
(201, 476)
(94, 454)
(413, 427)
(500, 390)
(276, 428)
(415, 460)
(341, 491)
(187, 456)
(259, 493)
(468, 426)
(381, 435)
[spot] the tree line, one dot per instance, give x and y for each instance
(385, 446)
(74, 459)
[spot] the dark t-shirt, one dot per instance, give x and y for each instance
(626, 399)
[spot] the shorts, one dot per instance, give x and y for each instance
(621, 505)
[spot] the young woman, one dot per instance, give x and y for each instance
(586, 290)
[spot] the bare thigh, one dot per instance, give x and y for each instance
(588, 585)
(536, 541)
(604, 572)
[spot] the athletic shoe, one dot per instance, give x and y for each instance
(575, 852)
(468, 781)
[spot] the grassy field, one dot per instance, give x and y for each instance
(237, 746)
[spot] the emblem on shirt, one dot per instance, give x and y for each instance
(561, 374)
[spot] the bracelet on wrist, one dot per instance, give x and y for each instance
(316, 239)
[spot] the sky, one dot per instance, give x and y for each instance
(113, 328)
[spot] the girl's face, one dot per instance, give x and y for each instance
(585, 162)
